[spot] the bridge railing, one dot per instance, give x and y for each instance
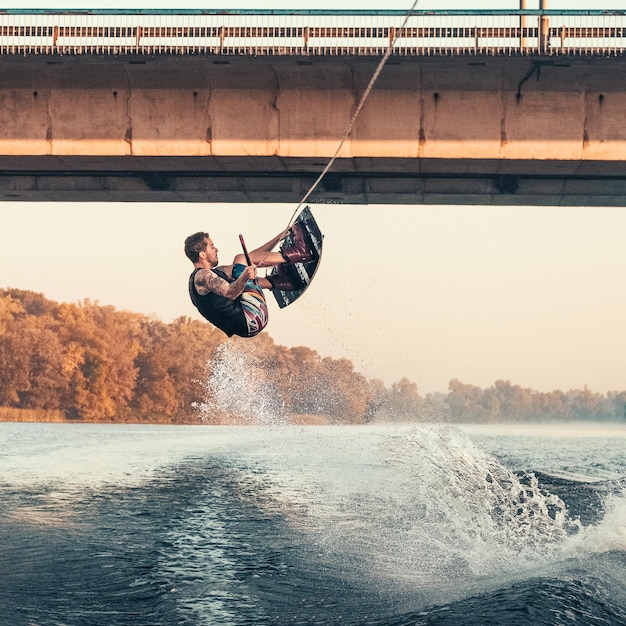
(313, 33)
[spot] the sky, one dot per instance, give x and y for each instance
(534, 295)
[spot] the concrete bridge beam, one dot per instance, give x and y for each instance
(437, 129)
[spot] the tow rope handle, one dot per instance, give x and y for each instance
(245, 253)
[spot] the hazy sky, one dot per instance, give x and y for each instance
(535, 295)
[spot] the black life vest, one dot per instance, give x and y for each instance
(222, 312)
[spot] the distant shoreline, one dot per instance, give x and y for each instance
(55, 416)
(32, 416)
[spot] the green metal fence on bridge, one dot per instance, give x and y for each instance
(312, 33)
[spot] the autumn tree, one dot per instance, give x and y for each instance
(465, 402)
(172, 363)
(401, 403)
(30, 351)
(96, 363)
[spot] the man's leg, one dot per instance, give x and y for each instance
(253, 304)
(298, 252)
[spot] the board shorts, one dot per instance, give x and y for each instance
(253, 304)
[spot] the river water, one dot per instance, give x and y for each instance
(104, 525)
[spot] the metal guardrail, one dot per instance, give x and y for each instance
(312, 33)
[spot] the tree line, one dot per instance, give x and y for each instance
(89, 362)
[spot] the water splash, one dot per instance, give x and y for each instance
(483, 513)
(609, 534)
(237, 391)
(436, 510)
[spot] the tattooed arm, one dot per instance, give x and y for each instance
(206, 280)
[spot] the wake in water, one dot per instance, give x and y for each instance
(495, 504)
(438, 511)
(608, 533)
(453, 504)
(418, 515)
(282, 525)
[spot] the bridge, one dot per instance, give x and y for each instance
(472, 107)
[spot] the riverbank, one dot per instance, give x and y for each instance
(10, 414)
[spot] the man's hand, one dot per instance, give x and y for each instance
(248, 274)
(234, 290)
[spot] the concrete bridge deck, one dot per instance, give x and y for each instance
(468, 123)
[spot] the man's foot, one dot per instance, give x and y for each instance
(299, 251)
(283, 282)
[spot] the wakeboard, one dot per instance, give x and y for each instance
(302, 273)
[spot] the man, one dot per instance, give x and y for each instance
(231, 296)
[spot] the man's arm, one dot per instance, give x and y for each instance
(207, 280)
